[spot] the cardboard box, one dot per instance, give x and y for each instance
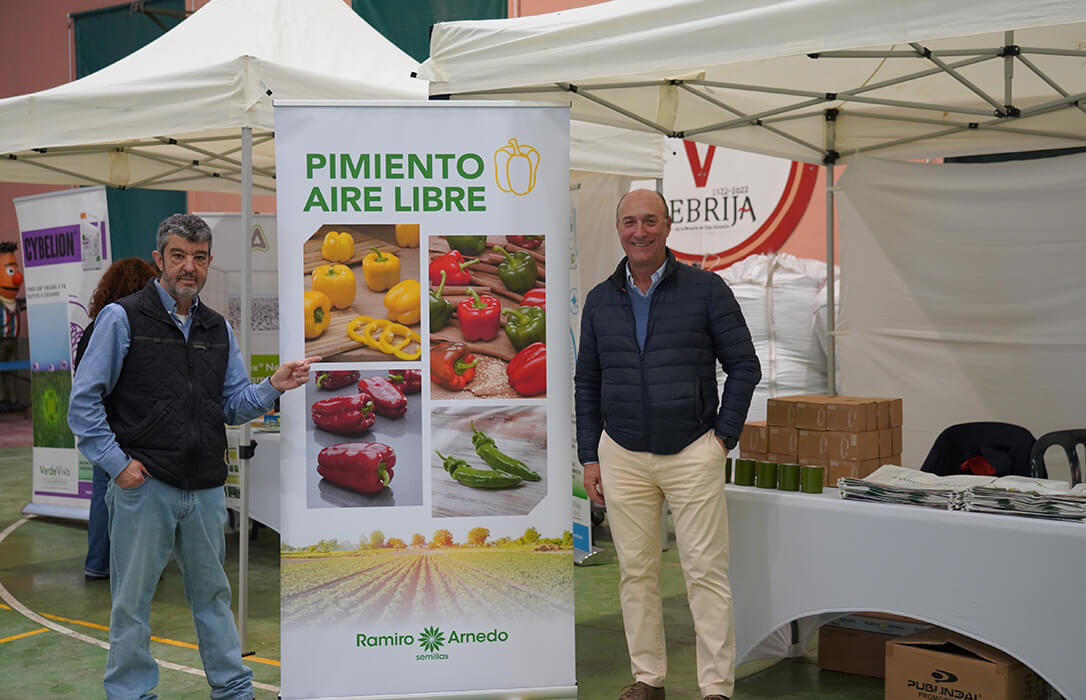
(812, 443)
(857, 643)
(811, 413)
(782, 457)
(895, 440)
(781, 411)
(941, 664)
(756, 456)
(886, 442)
(851, 414)
(854, 469)
(812, 461)
(754, 437)
(853, 446)
(782, 440)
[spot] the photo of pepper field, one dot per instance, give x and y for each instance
(488, 326)
(487, 461)
(362, 294)
(407, 577)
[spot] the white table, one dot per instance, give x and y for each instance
(1012, 582)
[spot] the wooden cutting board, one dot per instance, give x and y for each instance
(334, 345)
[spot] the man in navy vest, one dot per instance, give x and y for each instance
(649, 429)
(161, 377)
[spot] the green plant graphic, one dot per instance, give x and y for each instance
(431, 639)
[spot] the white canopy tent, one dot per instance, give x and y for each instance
(820, 81)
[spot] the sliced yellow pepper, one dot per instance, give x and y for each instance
(392, 344)
(337, 281)
(381, 270)
(407, 235)
(338, 246)
(366, 330)
(318, 313)
(402, 302)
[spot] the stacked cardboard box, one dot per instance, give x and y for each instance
(848, 435)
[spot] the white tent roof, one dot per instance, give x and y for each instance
(169, 116)
(737, 73)
(197, 85)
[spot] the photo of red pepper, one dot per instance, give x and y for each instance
(331, 379)
(387, 399)
(535, 297)
(480, 316)
(527, 370)
(365, 467)
(452, 366)
(409, 381)
(454, 266)
(529, 242)
(344, 415)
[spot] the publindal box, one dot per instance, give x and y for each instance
(941, 664)
(857, 643)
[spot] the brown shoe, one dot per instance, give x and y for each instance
(641, 691)
(716, 697)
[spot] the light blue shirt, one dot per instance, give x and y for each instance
(101, 367)
(641, 301)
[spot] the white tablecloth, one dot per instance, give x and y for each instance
(1012, 582)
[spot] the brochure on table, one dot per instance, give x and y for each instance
(426, 544)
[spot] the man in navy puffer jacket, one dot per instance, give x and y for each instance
(649, 429)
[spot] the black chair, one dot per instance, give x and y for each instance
(1070, 440)
(984, 447)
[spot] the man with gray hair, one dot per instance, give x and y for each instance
(161, 377)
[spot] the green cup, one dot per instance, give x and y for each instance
(744, 472)
(766, 475)
(811, 478)
(789, 477)
(728, 470)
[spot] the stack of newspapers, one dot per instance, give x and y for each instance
(1016, 495)
(1041, 498)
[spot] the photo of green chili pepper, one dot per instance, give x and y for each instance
(468, 245)
(518, 272)
(477, 478)
(486, 448)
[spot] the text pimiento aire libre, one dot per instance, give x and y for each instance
(397, 198)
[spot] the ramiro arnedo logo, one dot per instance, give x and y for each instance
(432, 640)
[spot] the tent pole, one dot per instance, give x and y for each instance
(245, 436)
(831, 316)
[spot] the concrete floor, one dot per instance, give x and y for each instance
(53, 624)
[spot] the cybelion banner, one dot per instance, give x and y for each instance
(426, 544)
(64, 239)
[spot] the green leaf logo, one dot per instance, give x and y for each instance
(431, 639)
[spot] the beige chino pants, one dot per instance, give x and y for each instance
(635, 485)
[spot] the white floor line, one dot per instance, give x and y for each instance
(31, 615)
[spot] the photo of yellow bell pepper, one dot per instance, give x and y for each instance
(338, 246)
(337, 281)
(402, 302)
(407, 235)
(380, 270)
(318, 313)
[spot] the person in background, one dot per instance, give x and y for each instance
(11, 322)
(161, 376)
(648, 429)
(122, 278)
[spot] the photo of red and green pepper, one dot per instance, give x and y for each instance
(363, 292)
(487, 308)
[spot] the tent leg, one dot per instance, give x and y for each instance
(245, 435)
(831, 315)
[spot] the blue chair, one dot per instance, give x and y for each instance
(1070, 440)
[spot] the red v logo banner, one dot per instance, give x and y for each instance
(699, 170)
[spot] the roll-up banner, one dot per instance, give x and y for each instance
(64, 239)
(426, 543)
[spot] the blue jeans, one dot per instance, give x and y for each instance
(97, 562)
(145, 524)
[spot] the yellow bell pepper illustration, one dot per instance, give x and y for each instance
(338, 246)
(402, 302)
(407, 235)
(515, 168)
(380, 270)
(337, 282)
(318, 313)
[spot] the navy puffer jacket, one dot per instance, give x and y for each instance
(661, 398)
